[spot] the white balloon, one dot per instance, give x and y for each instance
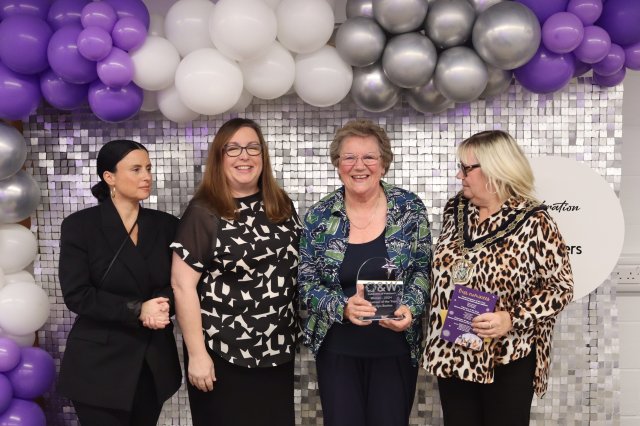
(208, 82)
(187, 25)
(19, 277)
(24, 308)
(323, 78)
(304, 26)
(159, 7)
(242, 29)
(22, 341)
(18, 247)
(172, 107)
(243, 102)
(270, 75)
(155, 63)
(156, 25)
(149, 101)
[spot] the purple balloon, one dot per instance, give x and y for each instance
(9, 354)
(129, 33)
(66, 60)
(609, 80)
(632, 57)
(34, 374)
(6, 393)
(612, 63)
(562, 32)
(581, 68)
(60, 94)
(594, 46)
(23, 43)
(546, 72)
(99, 14)
(65, 12)
(94, 43)
(114, 105)
(545, 8)
(39, 8)
(620, 19)
(116, 70)
(23, 413)
(19, 94)
(131, 8)
(588, 11)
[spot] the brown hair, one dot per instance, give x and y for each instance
(362, 128)
(214, 189)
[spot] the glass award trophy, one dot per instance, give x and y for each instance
(381, 288)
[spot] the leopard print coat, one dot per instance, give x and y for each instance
(528, 269)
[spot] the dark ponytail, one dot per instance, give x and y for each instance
(108, 158)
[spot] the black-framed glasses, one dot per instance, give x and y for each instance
(466, 169)
(253, 149)
(351, 159)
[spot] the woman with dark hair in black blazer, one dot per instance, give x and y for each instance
(121, 361)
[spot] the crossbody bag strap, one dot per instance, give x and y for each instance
(115, 256)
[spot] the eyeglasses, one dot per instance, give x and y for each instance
(466, 169)
(352, 159)
(252, 149)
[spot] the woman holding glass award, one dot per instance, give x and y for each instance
(498, 246)
(366, 231)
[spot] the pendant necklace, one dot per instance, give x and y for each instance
(375, 209)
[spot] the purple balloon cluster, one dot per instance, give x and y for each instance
(68, 51)
(25, 374)
(582, 35)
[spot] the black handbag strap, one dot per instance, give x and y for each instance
(115, 256)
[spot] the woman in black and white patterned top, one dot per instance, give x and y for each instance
(234, 269)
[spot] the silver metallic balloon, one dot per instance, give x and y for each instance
(19, 197)
(506, 35)
(449, 22)
(360, 41)
(482, 5)
(359, 8)
(409, 60)
(427, 99)
(400, 16)
(499, 82)
(13, 151)
(372, 90)
(460, 74)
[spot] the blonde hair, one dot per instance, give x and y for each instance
(503, 163)
(362, 128)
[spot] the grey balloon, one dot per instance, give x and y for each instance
(460, 74)
(409, 60)
(13, 151)
(427, 100)
(506, 35)
(372, 90)
(499, 82)
(400, 16)
(482, 5)
(449, 22)
(359, 8)
(19, 197)
(360, 41)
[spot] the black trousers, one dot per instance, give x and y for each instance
(505, 402)
(244, 396)
(358, 391)
(145, 410)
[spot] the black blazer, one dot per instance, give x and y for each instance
(107, 345)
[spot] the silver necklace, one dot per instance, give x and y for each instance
(373, 214)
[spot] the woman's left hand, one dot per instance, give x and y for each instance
(492, 324)
(399, 324)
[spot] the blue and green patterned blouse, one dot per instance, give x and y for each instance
(322, 247)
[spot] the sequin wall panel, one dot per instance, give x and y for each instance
(583, 122)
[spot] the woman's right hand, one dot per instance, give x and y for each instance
(201, 372)
(357, 307)
(154, 313)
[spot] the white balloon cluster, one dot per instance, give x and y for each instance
(24, 306)
(206, 58)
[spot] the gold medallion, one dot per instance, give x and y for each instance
(462, 271)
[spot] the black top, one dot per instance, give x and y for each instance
(248, 283)
(363, 341)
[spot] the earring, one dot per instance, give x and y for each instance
(486, 186)
(113, 192)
